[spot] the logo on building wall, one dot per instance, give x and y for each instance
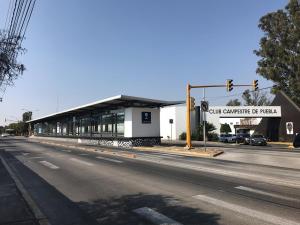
(146, 117)
(289, 128)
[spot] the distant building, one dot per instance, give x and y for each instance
(285, 127)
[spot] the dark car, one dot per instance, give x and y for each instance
(256, 139)
(296, 142)
(240, 138)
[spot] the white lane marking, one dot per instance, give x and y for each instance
(155, 217)
(246, 211)
(109, 159)
(254, 177)
(82, 162)
(83, 154)
(36, 157)
(25, 153)
(265, 193)
(66, 150)
(172, 155)
(49, 164)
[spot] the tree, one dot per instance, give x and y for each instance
(234, 102)
(255, 98)
(209, 128)
(225, 128)
(27, 116)
(279, 50)
(10, 68)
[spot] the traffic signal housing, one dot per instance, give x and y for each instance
(229, 85)
(192, 103)
(255, 85)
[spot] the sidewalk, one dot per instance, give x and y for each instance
(13, 207)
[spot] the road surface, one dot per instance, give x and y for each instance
(82, 187)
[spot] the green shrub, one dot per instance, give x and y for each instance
(182, 136)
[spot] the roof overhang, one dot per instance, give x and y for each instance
(116, 102)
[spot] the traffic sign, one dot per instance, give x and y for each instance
(204, 106)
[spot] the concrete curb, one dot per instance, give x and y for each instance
(92, 149)
(202, 154)
(191, 153)
(39, 216)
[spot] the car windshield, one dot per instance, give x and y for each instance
(257, 136)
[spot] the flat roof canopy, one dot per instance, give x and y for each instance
(119, 101)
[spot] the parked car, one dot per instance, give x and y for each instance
(227, 138)
(4, 135)
(240, 138)
(256, 139)
(296, 142)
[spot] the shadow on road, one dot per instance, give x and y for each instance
(119, 210)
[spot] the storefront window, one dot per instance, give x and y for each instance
(120, 123)
(107, 122)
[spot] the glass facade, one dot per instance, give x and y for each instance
(94, 124)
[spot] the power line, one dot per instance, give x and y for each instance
(8, 14)
(12, 19)
(28, 20)
(20, 27)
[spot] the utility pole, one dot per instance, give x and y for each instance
(188, 117)
(204, 122)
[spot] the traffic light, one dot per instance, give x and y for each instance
(229, 85)
(192, 103)
(255, 85)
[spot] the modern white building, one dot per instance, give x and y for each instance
(173, 121)
(122, 121)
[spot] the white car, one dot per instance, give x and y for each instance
(227, 138)
(4, 135)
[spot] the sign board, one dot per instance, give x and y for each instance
(146, 117)
(204, 106)
(245, 111)
(289, 127)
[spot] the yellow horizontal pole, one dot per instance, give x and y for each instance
(221, 85)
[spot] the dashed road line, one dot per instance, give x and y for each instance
(49, 164)
(155, 217)
(83, 154)
(246, 211)
(171, 155)
(265, 193)
(82, 162)
(64, 150)
(109, 159)
(36, 157)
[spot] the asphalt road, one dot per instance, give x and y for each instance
(81, 187)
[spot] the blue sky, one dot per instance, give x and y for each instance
(81, 51)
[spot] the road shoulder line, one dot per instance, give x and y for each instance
(246, 211)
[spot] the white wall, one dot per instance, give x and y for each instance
(128, 122)
(167, 113)
(178, 114)
(134, 126)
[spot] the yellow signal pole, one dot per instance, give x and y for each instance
(188, 117)
(188, 106)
